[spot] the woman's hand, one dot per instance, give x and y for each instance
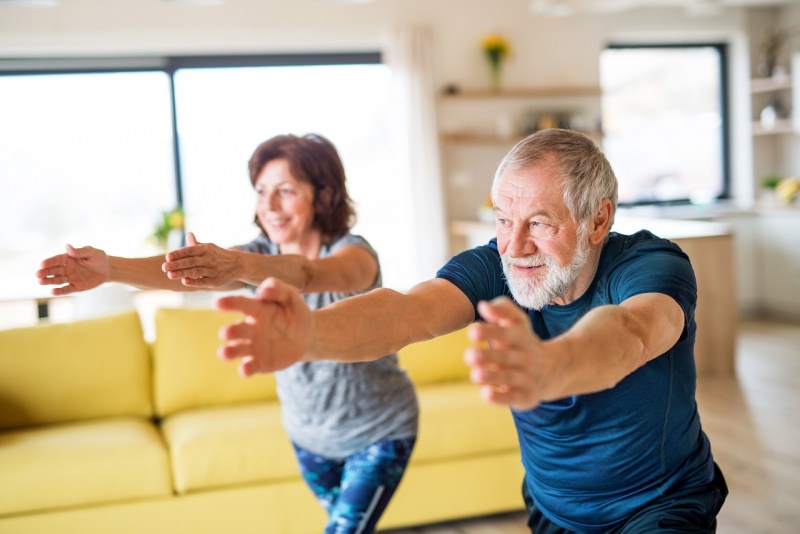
(80, 269)
(202, 265)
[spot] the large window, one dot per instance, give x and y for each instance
(93, 156)
(664, 122)
(84, 159)
(224, 113)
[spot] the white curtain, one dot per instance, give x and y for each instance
(409, 56)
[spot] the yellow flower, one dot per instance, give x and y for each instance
(175, 219)
(169, 220)
(496, 47)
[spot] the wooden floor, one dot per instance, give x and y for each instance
(753, 422)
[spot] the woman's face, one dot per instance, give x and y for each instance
(285, 206)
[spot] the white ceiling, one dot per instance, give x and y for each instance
(548, 7)
(693, 7)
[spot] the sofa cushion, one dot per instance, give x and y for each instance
(229, 445)
(70, 371)
(188, 373)
(440, 359)
(73, 464)
(454, 423)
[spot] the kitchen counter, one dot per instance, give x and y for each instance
(710, 247)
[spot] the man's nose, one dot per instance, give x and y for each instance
(520, 244)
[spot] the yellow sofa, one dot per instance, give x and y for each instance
(101, 431)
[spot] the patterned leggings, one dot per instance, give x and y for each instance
(356, 490)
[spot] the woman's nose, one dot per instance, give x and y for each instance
(271, 201)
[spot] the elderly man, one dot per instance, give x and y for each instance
(586, 334)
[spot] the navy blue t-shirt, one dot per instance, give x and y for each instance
(591, 461)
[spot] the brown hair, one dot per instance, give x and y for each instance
(313, 159)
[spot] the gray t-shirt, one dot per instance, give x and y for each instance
(333, 408)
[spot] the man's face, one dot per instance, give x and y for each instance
(539, 242)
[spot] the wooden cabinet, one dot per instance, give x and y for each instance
(744, 226)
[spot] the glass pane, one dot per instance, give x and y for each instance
(662, 122)
(224, 113)
(86, 159)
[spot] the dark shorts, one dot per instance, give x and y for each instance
(693, 510)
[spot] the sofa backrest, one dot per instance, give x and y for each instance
(92, 368)
(436, 360)
(186, 370)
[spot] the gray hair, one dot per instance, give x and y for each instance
(586, 175)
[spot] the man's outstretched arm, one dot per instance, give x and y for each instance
(279, 329)
(516, 368)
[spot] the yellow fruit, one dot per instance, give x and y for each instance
(787, 189)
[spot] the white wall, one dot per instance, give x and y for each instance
(546, 51)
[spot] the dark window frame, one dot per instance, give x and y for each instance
(725, 114)
(170, 65)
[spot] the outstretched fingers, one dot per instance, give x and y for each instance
(274, 333)
(500, 355)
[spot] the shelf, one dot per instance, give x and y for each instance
(480, 139)
(527, 92)
(782, 126)
(467, 138)
(768, 85)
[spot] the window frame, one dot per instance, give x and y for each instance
(170, 65)
(724, 108)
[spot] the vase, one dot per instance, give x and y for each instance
(495, 75)
(766, 67)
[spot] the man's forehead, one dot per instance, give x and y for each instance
(530, 181)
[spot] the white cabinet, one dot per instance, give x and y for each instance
(779, 261)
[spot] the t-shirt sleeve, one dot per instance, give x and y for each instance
(477, 272)
(657, 267)
(259, 245)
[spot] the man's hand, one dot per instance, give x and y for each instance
(80, 269)
(201, 265)
(275, 332)
(506, 358)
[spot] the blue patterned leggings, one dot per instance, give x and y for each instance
(356, 490)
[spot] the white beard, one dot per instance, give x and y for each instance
(535, 293)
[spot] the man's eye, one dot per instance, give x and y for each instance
(541, 229)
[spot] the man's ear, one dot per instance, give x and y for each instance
(600, 224)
